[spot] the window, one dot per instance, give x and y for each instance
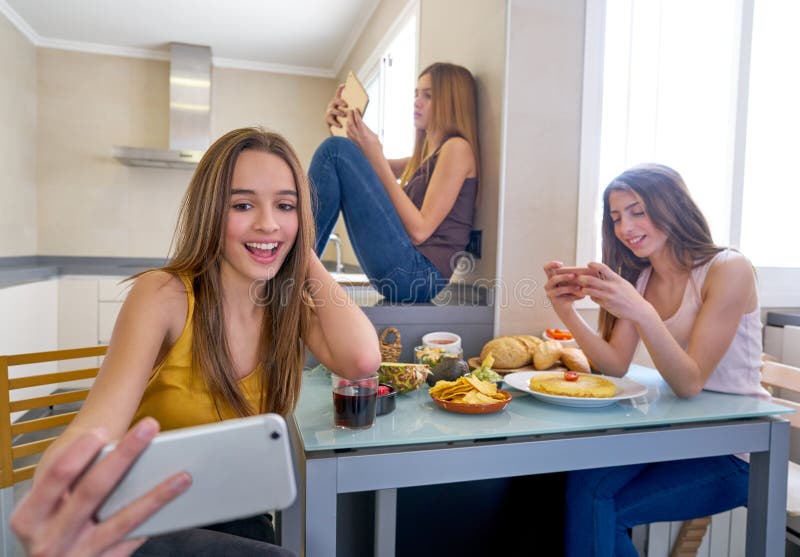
(390, 78)
(702, 86)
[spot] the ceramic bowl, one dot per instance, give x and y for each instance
(451, 342)
(463, 408)
(387, 402)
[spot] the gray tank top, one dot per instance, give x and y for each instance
(452, 235)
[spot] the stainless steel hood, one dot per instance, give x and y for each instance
(189, 113)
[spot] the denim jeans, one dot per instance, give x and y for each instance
(345, 181)
(603, 503)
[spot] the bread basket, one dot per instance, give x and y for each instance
(390, 352)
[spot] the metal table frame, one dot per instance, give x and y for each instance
(309, 526)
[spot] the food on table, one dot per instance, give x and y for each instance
(443, 365)
(509, 352)
(559, 334)
(575, 360)
(403, 377)
(547, 354)
(467, 390)
(529, 340)
(383, 390)
(428, 355)
(484, 372)
(571, 376)
(585, 386)
(515, 351)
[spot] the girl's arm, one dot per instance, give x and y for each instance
(340, 335)
(397, 166)
(612, 357)
(456, 163)
(728, 293)
(145, 329)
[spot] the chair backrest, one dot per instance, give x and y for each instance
(787, 379)
(11, 380)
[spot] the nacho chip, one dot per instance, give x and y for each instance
(475, 397)
(482, 386)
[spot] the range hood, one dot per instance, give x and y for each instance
(189, 113)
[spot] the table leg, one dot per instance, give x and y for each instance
(320, 508)
(385, 522)
(766, 506)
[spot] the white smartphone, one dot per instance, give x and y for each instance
(239, 468)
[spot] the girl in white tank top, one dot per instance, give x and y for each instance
(695, 308)
(739, 371)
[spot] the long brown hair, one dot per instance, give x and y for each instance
(454, 112)
(672, 210)
(197, 255)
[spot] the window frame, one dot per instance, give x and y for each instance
(374, 65)
(777, 286)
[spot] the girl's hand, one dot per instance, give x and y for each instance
(336, 108)
(365, 138)
(56, 517)
(561, 287)
(609, 290)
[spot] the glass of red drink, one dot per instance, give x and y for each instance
(354, 401)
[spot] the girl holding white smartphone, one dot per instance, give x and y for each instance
(219, 332)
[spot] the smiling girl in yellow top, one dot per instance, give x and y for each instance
(221, 331)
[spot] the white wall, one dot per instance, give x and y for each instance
(90, 204)
(17, 142)
(542, 142)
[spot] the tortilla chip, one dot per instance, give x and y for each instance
(475, 397)
(482, 386)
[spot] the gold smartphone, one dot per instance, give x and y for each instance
(356, 98)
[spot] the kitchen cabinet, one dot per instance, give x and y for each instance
(111, 292)
(88, 309)
(29, 324)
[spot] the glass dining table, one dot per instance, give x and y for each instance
(529, 436)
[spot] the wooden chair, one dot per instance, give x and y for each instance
(782, 381)
(37, 416)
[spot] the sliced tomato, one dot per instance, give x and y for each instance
(570, 376)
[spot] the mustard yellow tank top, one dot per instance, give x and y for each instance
(176, 395)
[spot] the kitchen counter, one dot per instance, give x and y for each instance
(23, 270)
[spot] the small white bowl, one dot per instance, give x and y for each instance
(564, 343)
(451, 342)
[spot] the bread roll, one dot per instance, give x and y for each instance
(530, 341)
(546, 354)
(508, 352)
(575, 360)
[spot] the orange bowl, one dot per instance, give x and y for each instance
(463, 408)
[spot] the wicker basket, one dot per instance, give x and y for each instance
(390, 352)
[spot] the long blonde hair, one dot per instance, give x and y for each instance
(670, 207)
(454, 112)
(197, 255)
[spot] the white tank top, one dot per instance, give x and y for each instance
(739, 370)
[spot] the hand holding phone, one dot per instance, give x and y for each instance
(355, 97)
(577, 271)
(57, 512)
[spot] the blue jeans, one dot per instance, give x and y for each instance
(603, 503)
(345, 181)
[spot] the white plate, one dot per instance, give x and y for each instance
(626, 388)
